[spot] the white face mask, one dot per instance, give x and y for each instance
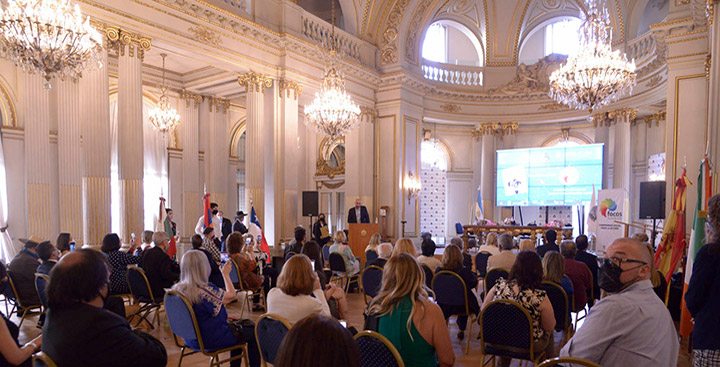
(515, 251)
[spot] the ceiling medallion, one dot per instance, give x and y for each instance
(332, 112)
(594, 75)
(163, 117)
(49, 37)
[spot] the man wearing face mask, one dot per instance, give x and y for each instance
(631, 326)
(216, 222)
(321, 231)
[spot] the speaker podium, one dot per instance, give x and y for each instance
(359, 237)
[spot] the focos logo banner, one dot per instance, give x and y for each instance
(611, 210)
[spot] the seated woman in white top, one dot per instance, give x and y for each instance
(428, 255)
(298, 293)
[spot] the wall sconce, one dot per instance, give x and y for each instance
(412, 186)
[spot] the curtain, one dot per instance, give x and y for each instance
(155, 171)
(7, 249)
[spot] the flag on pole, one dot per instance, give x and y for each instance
(478, 207)
(164, 225)
(207, 212)
(592, 215)
(672, 244)
(697, 238)
(255, 229)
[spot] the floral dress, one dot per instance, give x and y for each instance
(528, 298)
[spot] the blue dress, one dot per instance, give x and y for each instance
(212, 320)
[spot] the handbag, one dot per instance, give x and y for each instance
(371, 320)
(237, 326)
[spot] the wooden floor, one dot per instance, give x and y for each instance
(356, 304)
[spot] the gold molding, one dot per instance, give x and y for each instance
(389, 51)
(188, 96)
(290, 87)
(648, 120)
(255, 82)
(495, 128)
(118, 38)
(451, 107)
(205, 35)
(611, 118)
(219, 103)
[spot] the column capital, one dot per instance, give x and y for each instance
(219, 103)
(613, 117)
(499, 129)
(656, 117)
(255, 82)
(368, 114)
(118, 38)
(188, 96)
(289, 87)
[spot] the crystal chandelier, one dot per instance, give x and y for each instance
(332, 112)
(49, 37)
(163, 117)
(594, 75)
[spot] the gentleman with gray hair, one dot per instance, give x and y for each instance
(162, 272)
(384, 252)
(505, 259)
(578, 273)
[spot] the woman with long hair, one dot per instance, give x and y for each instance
(246, 266)
(523, 287)
(298, 293)
(413, 323)
(371, 251)
(554, 271)
(330, 345)
(453, 261)
(64, 243)
(352, 266)
(333, 294)
(702, 298)
(404, 246)
(208, 302)
(527, 245)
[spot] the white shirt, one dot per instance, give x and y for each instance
(217, 226)
(493, 250)
(430, 261)
(296, 308)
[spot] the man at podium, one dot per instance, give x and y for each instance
(359, 211)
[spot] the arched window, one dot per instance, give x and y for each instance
(562, 37)
(433, 196)
(452, 43)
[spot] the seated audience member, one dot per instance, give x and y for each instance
(578, 273)
(491, 244)
(79, 331)
(23, 268)
(210, 243)
(11, 352)
(296, 243)
(526, 245)
(523, 287)
(590, 260)
(215, 277)
(352, 266)
(404, 246)
(49, 254)
(246, 267)
(452, 261)
(656, 278)
(208, 302)
(331, 345)
(162, 271)
(263, 268)
(505, 259)
(119, 261)
(64, 243)
(467, 259)
(371, 251)
(146, 242)
(385, 250)
(554, 271)
(298, 293)
(413, 324)
(333, 294)
(630, 326)
(428, 255)
(550, 243)
(702, 297)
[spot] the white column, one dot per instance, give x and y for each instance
(96, 142)
(714, 91)
(487, 185)
(190, 162)
(622, 159)
(255, 85)
(216, 156)
(602, 136)
(37, 154)
(69, 157)
(130, 142)
(287, 183)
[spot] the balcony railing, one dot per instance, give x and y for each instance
(459, 75)
(641, 48)
(320, 32)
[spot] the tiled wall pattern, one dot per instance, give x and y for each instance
(432, 200)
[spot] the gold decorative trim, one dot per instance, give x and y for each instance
(495, 128)
(451, 107)
(553, 107)
(290, 88)
(205, 35)
(188, 96)
(255, 82)
(389, 51)
(654, 81)
(613, 117)
(219, 103)
(708, 64)
(368, 114)
(648, 120)
(118, 38)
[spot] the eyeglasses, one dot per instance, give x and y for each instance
(618, 261)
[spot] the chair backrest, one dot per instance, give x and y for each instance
(492, 277)
(326, 252)
(289, 255)
(559, 300)
(41, 281)
(459, 228)
(428, 275)
(337, 263)
(481, 260)
(506, 325)
(449, 289)
(235, 273)
(40, 359)
(377, 351)
(370, 256)
(371, 279)
(139, 284)
(568, 360)
(181, 317)
(270, 330)
(15, 296)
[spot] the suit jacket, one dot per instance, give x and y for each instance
(23, 268)
(541, 250)
(238, 226)
(84, 335)
(161, 271)
(364, 216)
(226, 228)
(505, 259)
(46, 266)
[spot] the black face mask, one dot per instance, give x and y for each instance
(610, 277)
(214, 212)
(322, 219)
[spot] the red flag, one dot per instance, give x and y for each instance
(164, 225)
(207, 213)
